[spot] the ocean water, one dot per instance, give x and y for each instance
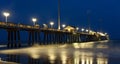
(99, 52)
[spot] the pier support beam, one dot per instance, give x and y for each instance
(13, 38)
(33, 37)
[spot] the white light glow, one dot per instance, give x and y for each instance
(64, 57)
(105, 33)
(51, 23)
(6, 14)
(34, 19)
(63, 25)
(82, 29)
(77, 28)
(101, 34)
(90, 30)
(86, 30)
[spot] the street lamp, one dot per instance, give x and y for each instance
(63, 25)
(34, 20)
(51, 23)
(6, 14)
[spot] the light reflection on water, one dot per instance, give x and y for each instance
(76, 53)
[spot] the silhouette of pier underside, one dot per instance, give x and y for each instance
(38, 35)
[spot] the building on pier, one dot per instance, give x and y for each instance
(69, 29)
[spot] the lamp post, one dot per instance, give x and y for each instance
(59, 15)
(51, 23)
(89, 25)
(34, 20)
(6, 14)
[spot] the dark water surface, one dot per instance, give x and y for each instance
(102, 52)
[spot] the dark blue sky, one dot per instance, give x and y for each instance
(73, 12)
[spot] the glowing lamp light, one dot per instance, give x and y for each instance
(6, 14)
(63, 25)
(77, 28)
(51, 23)
(69, 30)
(105, 33)
(90, 30)
(44, 24)
(98, 32)
(82, 29)
(34, 20)
(87, 30)
(102, 34)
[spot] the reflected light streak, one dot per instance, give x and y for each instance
(102, 61)
(63, 51)
(83, 45)
(63, 57)
(63, 46)
(104, 41)
(52, 56)
(76, 45)
(102, 58)
(34, 54)
(76, 57)
(89, 60)
(82, 60)
(86, 57)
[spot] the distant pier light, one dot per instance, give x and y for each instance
(77, 28)
(45, 26)
(87, 30)
(82, 29)
(63, 25)
(91, 31)
(51, 24)
(98, 32)
(6, 14)
(34, 20)
(101, 34)
(105, 33)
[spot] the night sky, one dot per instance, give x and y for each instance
(102, 13)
